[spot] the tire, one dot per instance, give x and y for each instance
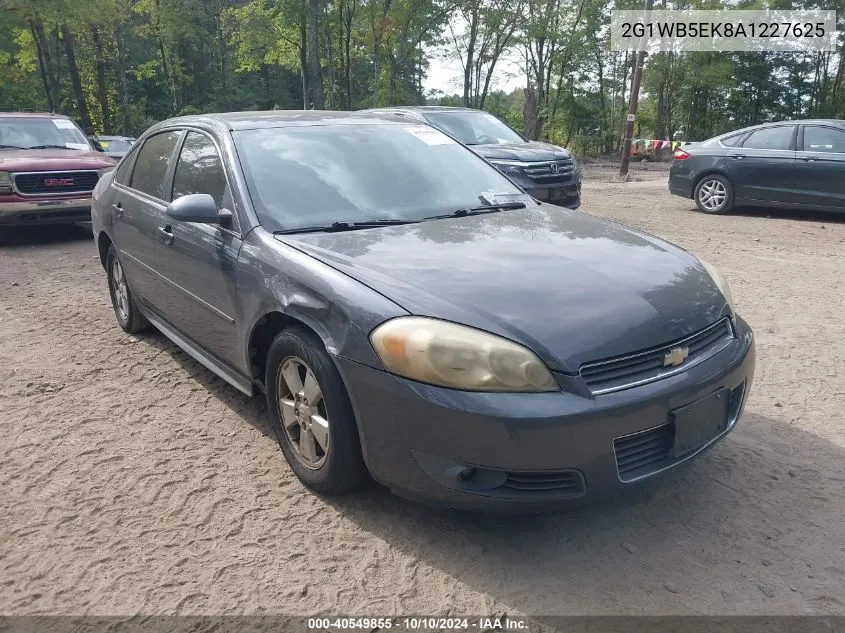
(317, 433)
(714, 194)
(129, 317)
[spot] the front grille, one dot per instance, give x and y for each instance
(563, 482)
(544, 173)
(644, 453)
(639, 368)
(56, 182)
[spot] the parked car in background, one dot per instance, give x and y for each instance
(789, 164)
(412, 315)
(547, 172)
(114, 146)
(48, 170)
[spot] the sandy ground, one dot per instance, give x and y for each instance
(134, 481)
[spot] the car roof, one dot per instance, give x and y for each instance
(274, 119)
(760, 126)
(425, 108)
(33, 115)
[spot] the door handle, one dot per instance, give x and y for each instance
(808, 159)
(737, 156)
(118, 209)
(165, 234)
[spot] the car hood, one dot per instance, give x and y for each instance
(571, 287)
(52, 160)
(528, 152)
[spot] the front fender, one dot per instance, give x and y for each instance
(276, 277)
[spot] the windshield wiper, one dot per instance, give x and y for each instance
(335, 227)
(48, 147)
(488, 208)
(12, 147)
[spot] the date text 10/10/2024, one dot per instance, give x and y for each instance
(420, 623)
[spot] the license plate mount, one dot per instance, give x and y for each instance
(699, 422)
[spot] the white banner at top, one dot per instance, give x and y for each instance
(725, 30)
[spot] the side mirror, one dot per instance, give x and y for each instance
(200, 208)
(97, 146)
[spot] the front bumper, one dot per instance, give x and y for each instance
(547, 450)
(18, 211)
(563, 194)
(567, 195)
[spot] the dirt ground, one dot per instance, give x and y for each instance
(134, 481)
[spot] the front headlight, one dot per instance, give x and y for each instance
(5, 182)
(508, 167)
(451, 355)
(720, 281)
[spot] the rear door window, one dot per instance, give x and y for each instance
(152, 164)
(773, 138)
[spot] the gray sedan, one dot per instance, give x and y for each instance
(415, 318)
(784, 165)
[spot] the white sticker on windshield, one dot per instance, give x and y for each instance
(493, 197)
(430, 136)
(64, 124)
(76, 146)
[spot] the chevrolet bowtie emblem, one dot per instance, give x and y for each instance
(675, 356)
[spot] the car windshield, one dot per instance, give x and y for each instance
(473, 128)
(310, 176)
(115, 144)
(40, 132)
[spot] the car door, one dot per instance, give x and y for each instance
(820, 166)
(138, 209)
(763, 167)
(197, 261)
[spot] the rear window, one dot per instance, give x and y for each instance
(115, 145)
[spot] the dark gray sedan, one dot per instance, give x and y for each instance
(790, 164)
(412, 316)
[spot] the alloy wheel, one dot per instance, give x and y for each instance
(121, 291)
(712, 195)
(303, 411)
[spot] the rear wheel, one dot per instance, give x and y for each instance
(129, 317)
(311, 414)
(714, 194)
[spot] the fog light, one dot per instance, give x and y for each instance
(467, 473)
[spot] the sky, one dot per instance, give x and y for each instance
(446, 74)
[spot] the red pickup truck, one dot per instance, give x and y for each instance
(48, 170)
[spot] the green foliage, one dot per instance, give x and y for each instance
(121, 65)
(263, 34)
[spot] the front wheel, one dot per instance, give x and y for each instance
(714, 194)
(311, 414)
